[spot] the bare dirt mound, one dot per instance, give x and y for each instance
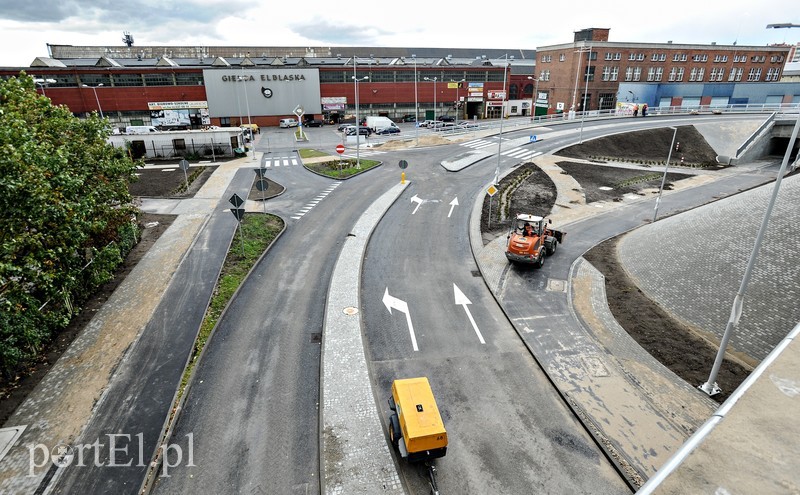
(650, 145)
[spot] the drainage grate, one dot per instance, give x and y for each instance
(316, 338)
(476, 273)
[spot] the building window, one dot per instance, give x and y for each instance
(654, 57)
(606, 73)
(618, 56)
(716, 74)
(693, 76)
(659, 73)
(158, 79)
(720, 58)
(758, 59)
(614, 73)
(188, 79)
(128, 80)
(735, 74)
(640, 56)
(700, 58)
(609, 56)
(562, 57)
(673, 72)
(637, 73)
(546, 75)
(606, 101)
(773, 74)
(679, 77)
(754, 75)
(588, 74)
(651, 74)
(631, 56)
(629, 73)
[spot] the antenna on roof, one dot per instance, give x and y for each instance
(127, 39)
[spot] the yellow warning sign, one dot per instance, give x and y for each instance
(492, 190)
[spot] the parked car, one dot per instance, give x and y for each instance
(388, 130)
(446, 118)
(444, 126)
(467, 124)
(427, 123)
(288, 123)
(408, 118)
(314, 123)
(343, 125)
(362, 130)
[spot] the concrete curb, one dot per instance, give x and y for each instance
(355, 456)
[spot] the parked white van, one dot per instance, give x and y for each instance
(288, 123)
(140, 129)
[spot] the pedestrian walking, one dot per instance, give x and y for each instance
(644, 110)
(635, 110)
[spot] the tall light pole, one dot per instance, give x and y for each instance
(575, 89)
(416, 102)
(94, 88)
(710, 387)
(535, 96)
(434, 95)
(249, 122)
(585, 92)
(502, 118)
(458, 83)
(356, 80)
(44, 82)
(664, 179)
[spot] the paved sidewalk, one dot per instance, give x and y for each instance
(63, 403)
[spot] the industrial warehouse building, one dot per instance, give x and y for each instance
(179, 87)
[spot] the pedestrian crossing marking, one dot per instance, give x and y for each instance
(311, 204)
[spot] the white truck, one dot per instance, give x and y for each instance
(375, 122)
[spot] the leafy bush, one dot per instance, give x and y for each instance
(65, 215)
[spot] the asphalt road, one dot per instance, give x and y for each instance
(251, 416)
(510, 432)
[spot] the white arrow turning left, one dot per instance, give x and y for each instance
(418, 200)
(462, 300)
(453, 204)
(400, 305)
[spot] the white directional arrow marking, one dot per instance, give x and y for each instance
(453, 204)
(462, 300)
(400, 305)
(418, 200)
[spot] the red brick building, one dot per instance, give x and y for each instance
(592, 67)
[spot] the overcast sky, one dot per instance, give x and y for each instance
(27, 26)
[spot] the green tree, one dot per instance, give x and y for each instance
(66, 217)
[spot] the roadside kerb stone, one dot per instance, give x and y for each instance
(355, 455)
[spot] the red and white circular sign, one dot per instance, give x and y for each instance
(340, 148)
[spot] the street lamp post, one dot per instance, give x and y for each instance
(535, 96)
(502, 117)
(94, 88)
(434, 96)
(710, 387)
(249, 122)
(416, 102)
(664, 178)
(458, 83)
(585, 92)
(44, 82)
(356, 80)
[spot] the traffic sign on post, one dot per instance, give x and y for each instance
(340, 148)
(403, 164)
(236, 200)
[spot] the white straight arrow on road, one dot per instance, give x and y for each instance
(462, 300)
(453, 204)
(393, 302)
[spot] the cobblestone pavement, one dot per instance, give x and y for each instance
(693, 265)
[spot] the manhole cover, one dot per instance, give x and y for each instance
(350, 311)
(554, 285)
